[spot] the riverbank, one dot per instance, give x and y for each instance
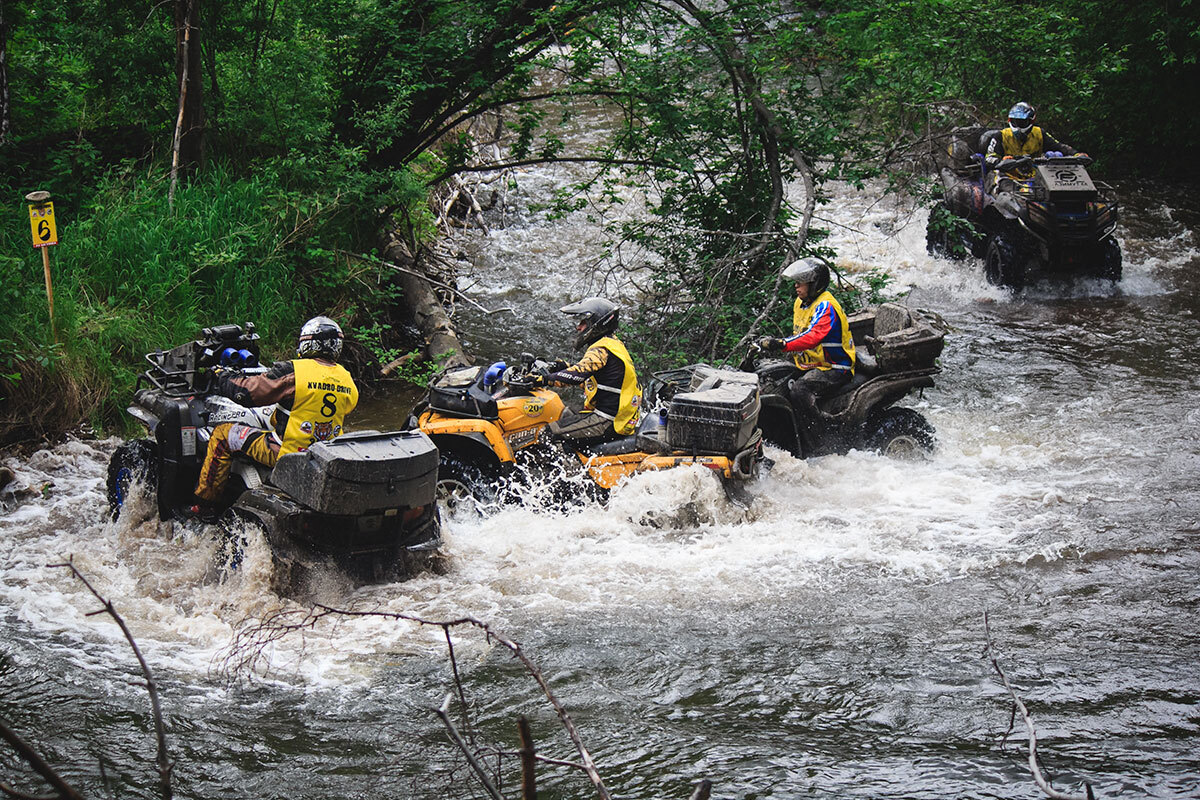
(132, 274)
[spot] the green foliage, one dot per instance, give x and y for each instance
(132, 276)
(325, 121)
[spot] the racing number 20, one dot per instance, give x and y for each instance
(329, 404)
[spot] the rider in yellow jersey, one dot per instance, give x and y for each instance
(821, 343)
(312, 396)
(1023, 138)
(612, 396)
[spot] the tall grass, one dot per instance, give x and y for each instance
(132, 276)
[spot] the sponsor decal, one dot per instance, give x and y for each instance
(522, 438)
(533, 408)
(324, 430)
(188, 435)
(306, 427)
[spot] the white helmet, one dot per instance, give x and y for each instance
(809, 270)
(320, 337)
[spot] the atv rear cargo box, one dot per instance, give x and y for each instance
(903, 340)
(707, 377)
(719, 420)
(362, 472)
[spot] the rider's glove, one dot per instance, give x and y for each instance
(220, 372)
(1082, 155)
(1006, 158)
(558, 365)
(536, 377)
(771, 344)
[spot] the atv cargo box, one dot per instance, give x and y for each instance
(706, 377)
(903, 340)
(719, 420)
(456, 391)
(362, 472)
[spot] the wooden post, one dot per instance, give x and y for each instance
(528, 778)
(45, 234)
(49, 289)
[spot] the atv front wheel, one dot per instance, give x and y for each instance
(134, 463)
(901, 433)
(1004, 262)
(464, 486)
(1110, 260)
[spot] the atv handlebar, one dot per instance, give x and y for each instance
(1010, 164)
(518, 375)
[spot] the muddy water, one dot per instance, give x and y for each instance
(825, 643)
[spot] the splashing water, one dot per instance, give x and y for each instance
(824, 642)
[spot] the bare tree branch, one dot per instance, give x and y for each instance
(163, 760)
(1034, 766)
(444, 713)
(246, 651)
(39, 765)
(528, 760)
(425, 278)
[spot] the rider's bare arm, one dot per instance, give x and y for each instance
(276, 384)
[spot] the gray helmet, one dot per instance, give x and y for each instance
(320, 337)
(599, 315)
(809, 270)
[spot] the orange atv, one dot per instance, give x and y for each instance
(487, 421)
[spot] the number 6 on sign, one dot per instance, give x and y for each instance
(41, 220)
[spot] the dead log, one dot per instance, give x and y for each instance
(425, 306)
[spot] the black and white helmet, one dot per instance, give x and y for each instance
(320, 337)
(809, 270)
(1021, 118)
(595, 317)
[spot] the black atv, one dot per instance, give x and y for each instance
(364, 502)
(896, 354)
(1028, 219)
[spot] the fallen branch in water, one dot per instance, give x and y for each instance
(1034, 765)
(247, 650)
(63, 790)
(39, 765)
(160, 731)
(456, 737)
(417, 274)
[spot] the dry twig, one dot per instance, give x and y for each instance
(1034, 765)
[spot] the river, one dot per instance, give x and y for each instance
(828, 642)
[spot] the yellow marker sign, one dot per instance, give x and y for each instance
(41, 220)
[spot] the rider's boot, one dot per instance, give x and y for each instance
(810, 419)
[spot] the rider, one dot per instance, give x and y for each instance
(820, 340)
(1023, 138)
(312, 396)
(612, 395)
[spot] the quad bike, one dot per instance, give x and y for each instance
(488, 421)
(364, 502)
(1027, 218)
(896, 352)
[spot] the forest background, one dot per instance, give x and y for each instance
(213, 161)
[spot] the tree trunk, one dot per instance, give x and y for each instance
(190, 75)
(425, 306)
(5, 116)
